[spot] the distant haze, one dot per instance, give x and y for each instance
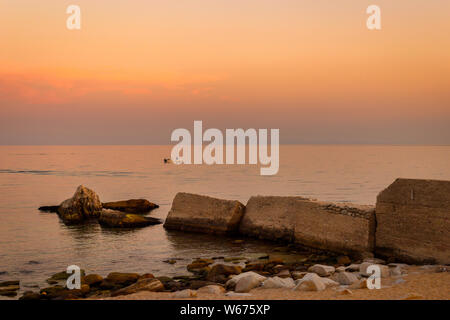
(139, 69)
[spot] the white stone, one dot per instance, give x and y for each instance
(322, 270)
(310, 282)
(277, 282)
(188, 293)
(246, 281)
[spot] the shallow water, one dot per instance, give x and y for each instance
(35, 245)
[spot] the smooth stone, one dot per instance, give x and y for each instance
(353, 267)
(183, 294)
(246, 281)
(92, 279)
(322, 270)
(310, 282)
(277, 282)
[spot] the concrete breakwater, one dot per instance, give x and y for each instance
(410, 221)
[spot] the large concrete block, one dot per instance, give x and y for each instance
(334, 227)
(196, 213)
(413, 221)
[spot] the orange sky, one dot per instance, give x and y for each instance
(138, 69)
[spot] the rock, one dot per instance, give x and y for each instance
(30, 295)
(246, 281)
(148, 284)
(117, 219)
(92, 279)
(85, 204)
(322, 270)
(412, 221)
(121, 279)
(397, 271)
(353, 267)
(131, 206)
(60, 293)
(310, 282)
(277, 282)
(200, 266)
(345, 278)
(197, 213)
(309, 223)
(171, 261)
(254, 266)
(147, 276)
(85, 289)
(212, 289)
(340, 269)
(297, 275)
(284, 274)
(10, 283)
(384, 270)
(8, 293)
(197, 284)
(279, 267)
(361, 284)
(184, 294)
(343, 260)
(61, 276)
(52, 209)
(220, 272)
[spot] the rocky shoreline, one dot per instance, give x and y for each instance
(233, 277)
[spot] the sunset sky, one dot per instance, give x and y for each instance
(139, 69)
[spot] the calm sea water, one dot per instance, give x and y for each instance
(35, 245)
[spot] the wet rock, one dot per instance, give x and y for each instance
(171, 261)
(51, 209)
(244, 282)
(63, 275)
(148, 284)
(254, 266)
(212, 289)
(184, 294)
(220, 272)
(30, 295)
(277, 282)
(92, 279)
(343, 260)
(322, 270)
(200, 266)
(10, 283)
(85, 289)
(147, 276)
(122, 279)
(196, 284)
(131, 206)
(117, 219)
(60, 293)
(345, 278)
(85, 204)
